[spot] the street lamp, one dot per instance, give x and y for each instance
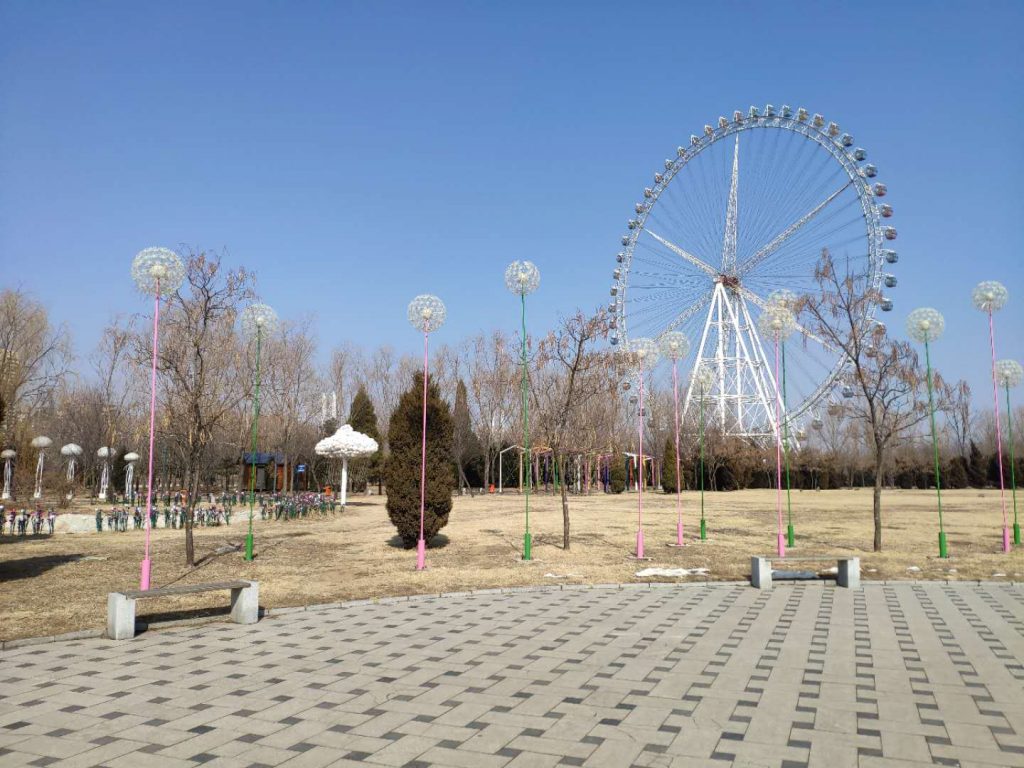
(1009, 373)
(41, 443)
(641, 355)
(675, 346)
(926, 325)
(156, 271)
(7, 455)
(990, 296)
(522, 278)
(426, 313)
(71, 452)
(703, 380)
(777, 321)
(788, 299)
(257, 319)
(105, 454)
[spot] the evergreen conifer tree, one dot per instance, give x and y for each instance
(617, 473)
(668, 470)
(363, 418)
(402, 467)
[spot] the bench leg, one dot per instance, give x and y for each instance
(245, 604)
(760, 573)
(849, 573)
(120, 617)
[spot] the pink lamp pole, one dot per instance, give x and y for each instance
(675, 346)
(777, 321)
(643, 354)
(154, 269)
(990, 296)
(426, 313)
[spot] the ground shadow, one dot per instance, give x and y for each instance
(440, 541)
(30, 567)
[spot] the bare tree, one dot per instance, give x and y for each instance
(886, 375)
(570, 373)
(34, 357)
(204, 378)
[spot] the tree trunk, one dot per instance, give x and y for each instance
(565, 506)
(190, 514)
(876, 500)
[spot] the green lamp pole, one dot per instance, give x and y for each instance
(522, 278)
(786, 299)
(926, 325)
(257, 319)
(1009, 373)
(702, 380)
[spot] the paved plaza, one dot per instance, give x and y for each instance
(891, 674)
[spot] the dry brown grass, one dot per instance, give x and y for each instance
(59, 584)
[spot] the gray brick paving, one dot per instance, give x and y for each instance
(805, 675)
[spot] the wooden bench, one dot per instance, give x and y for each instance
(245, 602)
(847, 573)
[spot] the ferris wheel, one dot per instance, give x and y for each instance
(742, 211)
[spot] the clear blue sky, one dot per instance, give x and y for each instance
(355, 154)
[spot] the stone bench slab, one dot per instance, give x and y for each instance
(245, 604)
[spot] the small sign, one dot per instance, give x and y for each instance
(301, 468)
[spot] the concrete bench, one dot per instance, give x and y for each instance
(847, 574)
(245, 604)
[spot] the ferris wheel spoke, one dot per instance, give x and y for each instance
(684, 254)
(763, 304)
(787, 233)
(689, 312)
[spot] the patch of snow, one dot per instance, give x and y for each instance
(671, 572)
(998, 575)
(913, 568)
(833, 569)
(562, 576)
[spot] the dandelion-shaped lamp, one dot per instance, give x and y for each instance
(426, 313)
(641, 356)
(104, 454)
(990, 296)
(257, 321)
(129, 476)
(675, 346)
(40, 443)
(777, 322)
(1009, 374)
(788, 300)
(522, 278)
(701, 380)
(158, 272)
(926, 325)
(7, 454)
(71, 452)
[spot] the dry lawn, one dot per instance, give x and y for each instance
(59, 584)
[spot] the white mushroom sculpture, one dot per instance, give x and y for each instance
(40, 443)
(71, 452)
(7, 454)
(346, 444)
(129, 475)
(105, 454)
